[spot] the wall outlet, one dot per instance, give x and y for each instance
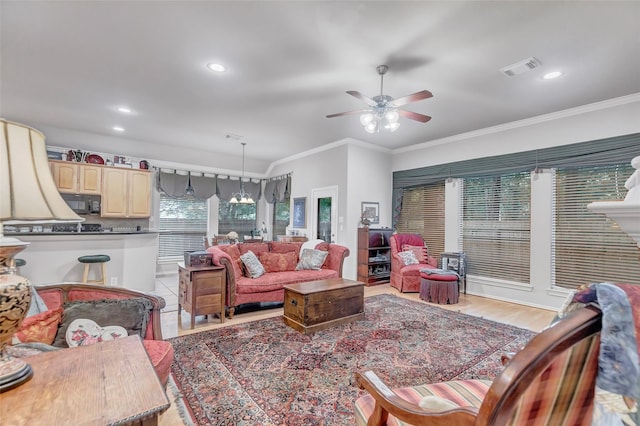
(114, 281)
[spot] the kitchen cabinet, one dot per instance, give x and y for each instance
(75, 178)
(126, 193)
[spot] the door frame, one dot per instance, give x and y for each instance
(324, 192)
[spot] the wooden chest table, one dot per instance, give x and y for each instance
(316, 305)
(101, 384)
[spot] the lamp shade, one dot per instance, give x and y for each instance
(27, 190)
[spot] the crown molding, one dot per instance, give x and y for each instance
(596, 106)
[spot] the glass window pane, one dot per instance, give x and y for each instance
(183, 224)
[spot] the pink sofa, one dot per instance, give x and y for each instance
(159, 351)
(269, 287)
(406, 278)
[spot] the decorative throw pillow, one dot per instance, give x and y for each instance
(253, 265)
(41, 328)
(421, 252)
(132, 314)
(408, 257)
(279, 262)
(311, 259)
(84, 332)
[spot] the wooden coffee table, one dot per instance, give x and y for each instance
(317, 305)
(106, 383)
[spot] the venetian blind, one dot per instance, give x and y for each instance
(423, 213)
(183, 224)
(239, 218)
(588, 247)
(496, 226)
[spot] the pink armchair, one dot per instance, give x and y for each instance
(406, 278)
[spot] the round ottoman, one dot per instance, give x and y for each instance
(441, 288)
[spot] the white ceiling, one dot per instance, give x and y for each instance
(68, 64)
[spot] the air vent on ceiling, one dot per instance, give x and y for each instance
(521, 67)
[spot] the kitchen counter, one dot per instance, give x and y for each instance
(52, 257)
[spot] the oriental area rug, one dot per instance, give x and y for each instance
(265, 373)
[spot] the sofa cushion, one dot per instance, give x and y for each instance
(281, 247)
(161, 356)
(252, 264)
(232, 250)
(311, 259)
(279, 262)
(274, 281)
(256, 248)
(421, 252)
(40, 328)
(408, 257)
(132, 314)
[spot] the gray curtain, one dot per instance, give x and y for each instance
(203, 187)
(277, 189)
(225, 188)
(254, 188)
(172, 184)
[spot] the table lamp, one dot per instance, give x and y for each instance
(28, 195)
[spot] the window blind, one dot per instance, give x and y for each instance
(588, 247)
(281, 213)
(496, 226)
(182, 224)
(423, 213)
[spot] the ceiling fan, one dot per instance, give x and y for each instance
(383, 112)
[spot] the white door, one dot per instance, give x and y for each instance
(324, 224)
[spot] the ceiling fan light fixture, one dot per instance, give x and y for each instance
(392, 127)
(392, 115)
(366, 118)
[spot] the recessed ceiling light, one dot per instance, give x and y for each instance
(216, 67)
(552, 75)
(118, 128)
(124, 109)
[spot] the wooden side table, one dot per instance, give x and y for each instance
(202, 291)
(106, 383)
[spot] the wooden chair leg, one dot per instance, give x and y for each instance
(85, 275)
(104, 274)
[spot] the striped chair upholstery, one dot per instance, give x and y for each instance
(551, 381)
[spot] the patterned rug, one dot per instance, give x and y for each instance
(265, 373)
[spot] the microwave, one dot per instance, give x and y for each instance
(83, 204)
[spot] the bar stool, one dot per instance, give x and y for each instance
(101, 259)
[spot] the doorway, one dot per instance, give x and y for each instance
(325, 213)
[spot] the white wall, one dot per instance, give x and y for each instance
(606, 119)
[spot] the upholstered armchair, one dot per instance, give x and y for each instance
(550, 381)
(406, 278)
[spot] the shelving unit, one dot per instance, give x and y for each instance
(374, 255)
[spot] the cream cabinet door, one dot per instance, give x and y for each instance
(65, 175)
(139, 193)
(114, 192)
(90, 180)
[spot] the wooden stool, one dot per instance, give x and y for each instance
(102, 259)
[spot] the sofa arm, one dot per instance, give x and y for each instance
(335, 259)
(221, 258)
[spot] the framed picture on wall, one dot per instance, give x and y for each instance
(300, 212)
(371, 211)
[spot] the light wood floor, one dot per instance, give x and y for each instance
(167, 286)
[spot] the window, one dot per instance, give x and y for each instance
(183, 224)
(423, 213)
(240, 218)
(588, 247)
(281, 213)
(496, 226)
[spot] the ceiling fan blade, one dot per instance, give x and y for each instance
(418, 96)
(414, 116)
(360, 111)
(362, 97)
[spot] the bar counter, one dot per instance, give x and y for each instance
(52, 257)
